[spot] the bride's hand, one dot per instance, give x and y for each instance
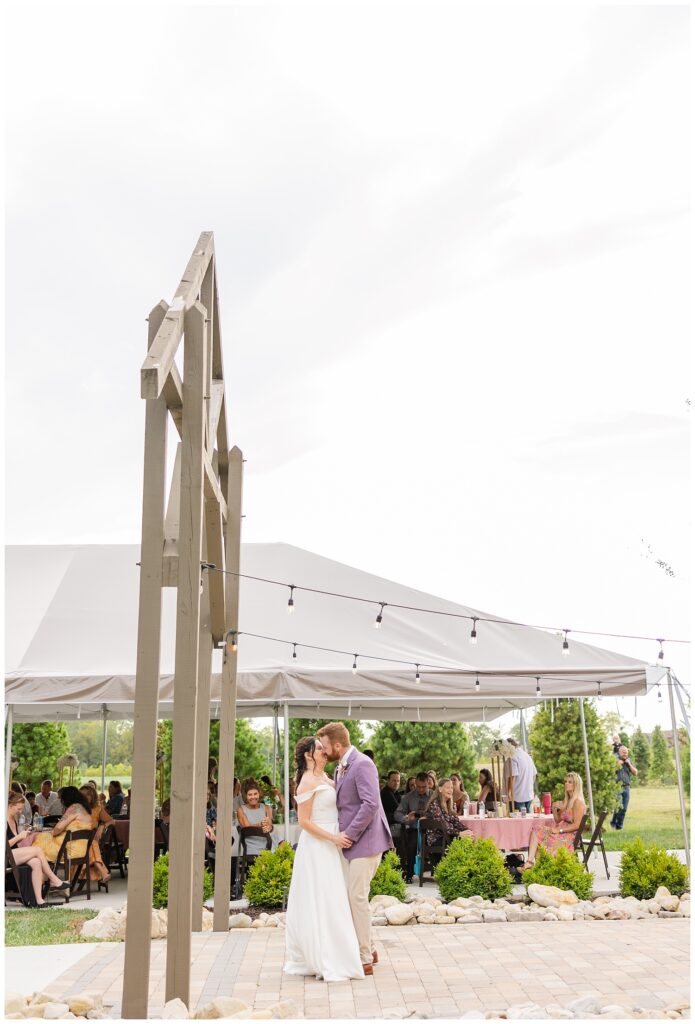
(342, 841)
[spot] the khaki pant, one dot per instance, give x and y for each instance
(361, 871)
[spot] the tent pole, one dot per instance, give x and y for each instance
(677, 755)
(275, 744)
(8, 740)
(286, 772)
(587, 766)
(682, 703)
(104, 714)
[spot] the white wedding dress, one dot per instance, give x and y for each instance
(320, 937)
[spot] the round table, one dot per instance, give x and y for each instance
(506, 833)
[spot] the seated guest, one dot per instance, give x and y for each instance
(441, 808)
(77, 817)
(489, 792)
(369, 753)
(460, 795)
(33, 856)
(410, 784)
(272, 794)
(47, 800)
(293, 794)
(390, 801)
(102, 799)
(31, 800)
(432, 779)
(100, 819)
(253, 813)
(166, 811)
(238, 799)
(412, 807)
(563, 831)
(17, 788)
(116, 798)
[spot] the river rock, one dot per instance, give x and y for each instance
(456, 912)
(671, 903)
(526, 1011)
(584, 1005)
(52, 1011)
(669, 913)
(444, 919)
(399, 914)
(565, 913)
(32, 1011)
(223, 1006)
(551, 914)
(492, 916)
(379, 922)
(41, 997)
(81, 1005)
(385, 901)
(534, 914)
(240, 921)
(471, 919)
(615, 1010)
(550, 895)
(103, 926)
(558, 1012)
(617, 914)
(476, 899)
(175, 1009)
(14, 1002)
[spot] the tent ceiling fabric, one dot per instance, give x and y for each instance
(72, 630)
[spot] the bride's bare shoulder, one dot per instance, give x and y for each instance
(307, 787)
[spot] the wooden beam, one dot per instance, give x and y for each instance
(216, 406)
(162, 352)
(170, 552)
(136, 972)
(214, 528)
(225, 792)
(222, 434)
(202, 747)
(183, 825)
(212, 486)
(173, 396)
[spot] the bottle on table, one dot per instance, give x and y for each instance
(481, 808)
(466, 809)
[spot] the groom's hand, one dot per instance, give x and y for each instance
(344, 841)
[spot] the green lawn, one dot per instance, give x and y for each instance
(654, 816)
(45, 927)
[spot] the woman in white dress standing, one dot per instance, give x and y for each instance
(320, 936)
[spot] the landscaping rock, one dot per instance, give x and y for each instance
(471, 919)
(584, 1005)
(53, 1011)
(424, 920)
(98, 1015)
(379, 921)
(550, 914)
(175, 1009)
(669, 913)
(491, 916)
(444, 919)
(385, 901)
(550, 895)
(14, 1016)
(515, 914)
(612, 1010)
(81, 1005)
(399, 914)
(223, 1006)
(41, 997)
(617, 914)
(534, 914)
(564, 913)
(558, 1012)
(670, 903)
(14, 1003)
(527, 1011)
(240, 921)
(455, 912)
(32, 1011)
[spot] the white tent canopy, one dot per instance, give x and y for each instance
(72, 629)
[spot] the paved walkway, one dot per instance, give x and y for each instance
(438, 970)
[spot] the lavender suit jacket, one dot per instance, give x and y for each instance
(360, 813)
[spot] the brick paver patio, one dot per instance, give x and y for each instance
(439, 970)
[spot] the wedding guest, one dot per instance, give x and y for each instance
(237, 800)
(293, 795)
(102, 799)
(77, 817)
(489, 792)
(47, 801)
(33, 856)
(432, 779)
(369, 753)
(460, 795)
(563, 831)
(412, 807)
(30, 798)
(623, 775)
(441, 807)
(253, 813)
(390, 801)
(116, 798)
(272, 793)
(522, 771)
(410, 784)
(100, 819)
(166, 811)
(26, 806)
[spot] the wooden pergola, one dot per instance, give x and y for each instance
(201, 523)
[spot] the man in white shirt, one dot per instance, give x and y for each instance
(523, 772)
(47, 801)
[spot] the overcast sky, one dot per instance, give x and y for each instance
(453, 257)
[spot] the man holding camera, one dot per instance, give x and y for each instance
(412, 807)
(623, 775)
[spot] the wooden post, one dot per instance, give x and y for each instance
(178, 969)
(136, 970)
(225, 791)
(104, 737)
(8, 746)
(202, 747)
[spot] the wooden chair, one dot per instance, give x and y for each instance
(576, 845)
(18, 887)
(596, 839)
(112, 852)
(73, 866)
(430, 855)
(246, 859)
(51, 819)
(161, 837)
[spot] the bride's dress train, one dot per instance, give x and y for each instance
(320, 937)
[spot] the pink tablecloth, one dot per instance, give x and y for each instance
(507, 833)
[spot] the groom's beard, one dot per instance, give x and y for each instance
(332, 757)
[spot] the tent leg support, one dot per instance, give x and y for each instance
(587, 766)
(677, 755)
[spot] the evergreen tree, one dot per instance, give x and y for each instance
(557, 748)
(412, 747)
(38, 746)
(662, 770)
(640, 756)
(250, 759)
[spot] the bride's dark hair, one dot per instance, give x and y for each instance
(307, 745)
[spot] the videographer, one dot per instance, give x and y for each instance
(412, 807)
(623, 775)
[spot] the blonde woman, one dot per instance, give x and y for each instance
(563, 831)
(441, 807)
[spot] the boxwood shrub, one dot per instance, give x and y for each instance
(562, 870)
(160, 883)
(472, 867)
(388, 879)
(644, 868)
(269, 877)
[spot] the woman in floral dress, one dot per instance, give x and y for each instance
(563, 831)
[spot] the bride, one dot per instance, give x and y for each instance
(320, 937)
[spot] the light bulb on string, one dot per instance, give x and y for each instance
(294, 650)
(538, 686)
(417, 673)
(354, 666)
(474, 633)
(231, 642)
(290, 603)
(660, 655)
(477, 683)
(599, 695)
(658, 693)
(380, 615)
(565, 646)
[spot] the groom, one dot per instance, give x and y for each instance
(362, 823)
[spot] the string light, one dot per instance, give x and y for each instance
(538, 686)
(354, 666)
(231, 641)
(658, 692)
(660, 655)
(294, 650)
(474, 633)
(380, 615)
(290, 603)
(565, 646)
(598, 693)
(417, 673)
(477, 683)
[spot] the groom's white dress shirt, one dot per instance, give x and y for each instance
(342, 764)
